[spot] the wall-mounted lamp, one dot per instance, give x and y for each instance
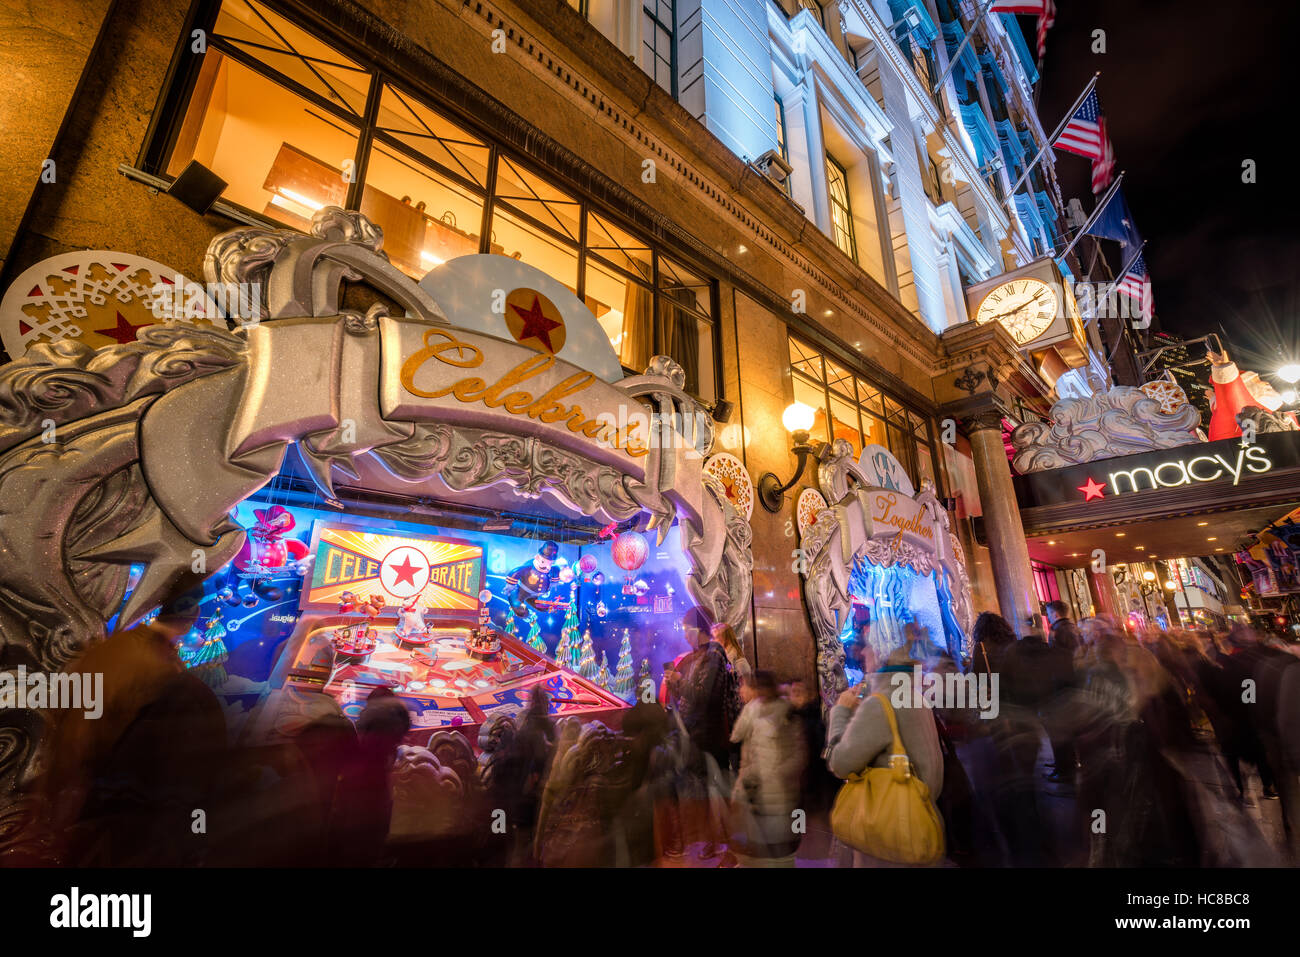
(797, 419)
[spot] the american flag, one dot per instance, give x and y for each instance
(1103, 170)
(1045, 10)
(1136, 284)
(1082, 134)
(1045, 21)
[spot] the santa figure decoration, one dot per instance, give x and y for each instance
(1233, 391)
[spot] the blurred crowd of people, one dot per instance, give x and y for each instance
(1107, 749)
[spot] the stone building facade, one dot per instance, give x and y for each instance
(769, 191)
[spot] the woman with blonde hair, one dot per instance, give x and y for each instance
(725, 635)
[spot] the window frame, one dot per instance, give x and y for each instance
(177, 93)
(895, 414)
(846, 207)
(650, 12)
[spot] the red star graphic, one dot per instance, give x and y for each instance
(405, 572)
(123, 332)
(536, 325)
(1092, 490)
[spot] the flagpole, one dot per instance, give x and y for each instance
(1110, 287)
(1101, 206)
(1127, 266)
(1052, 139)
(952, 60)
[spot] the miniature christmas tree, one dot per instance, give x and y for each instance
(587, 663)
(602, 676)
(570, 648)
(535, 633)
(623, 673)
(564, 650)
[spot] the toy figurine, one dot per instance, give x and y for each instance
(265, 551)
(347, 603)
(410, 620)
(371, 609)
(529, 583)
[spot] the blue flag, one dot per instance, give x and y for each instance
(1116, 222)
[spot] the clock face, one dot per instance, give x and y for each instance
(1025, 306)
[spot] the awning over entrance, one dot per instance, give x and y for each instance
(1190, 500)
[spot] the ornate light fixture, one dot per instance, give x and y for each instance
(797, 418)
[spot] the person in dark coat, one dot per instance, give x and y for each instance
(818, 783)
(703, 690)
(1033, 675)
(364, 799)
(1063, 637)
(1243, 740)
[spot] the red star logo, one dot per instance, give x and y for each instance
(405, 572)
(123, 332)
(1092, 490)
(536, 324)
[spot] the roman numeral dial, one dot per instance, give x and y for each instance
(1026, 307)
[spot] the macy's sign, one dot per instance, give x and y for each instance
(1202, 468)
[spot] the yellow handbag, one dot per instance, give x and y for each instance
(888, 812)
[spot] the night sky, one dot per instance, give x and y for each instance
(1190, 89)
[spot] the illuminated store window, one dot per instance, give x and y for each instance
(537, 199)
(1045, 582)
(619, 290)
(841, 212)
(428, 218)
(405, 120)
(684, 326)
(515, 236)
(294, 124)
(274, 112)
(850, 408)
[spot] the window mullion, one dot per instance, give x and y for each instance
(356, 188)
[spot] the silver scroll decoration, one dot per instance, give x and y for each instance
(843, 535)
(1121, 421)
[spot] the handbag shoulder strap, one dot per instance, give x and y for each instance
(893, 724)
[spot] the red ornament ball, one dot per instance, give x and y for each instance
(587, 563)
(630, 551)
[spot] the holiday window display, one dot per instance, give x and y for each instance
(200, 422)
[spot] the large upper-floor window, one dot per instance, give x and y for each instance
(782, 145)
(659, 42)
(837, 181)
(851, 408)
(293, 124)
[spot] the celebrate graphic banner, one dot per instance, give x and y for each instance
(443, 574)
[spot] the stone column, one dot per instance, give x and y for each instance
(1105, 595)
(1008, 553)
